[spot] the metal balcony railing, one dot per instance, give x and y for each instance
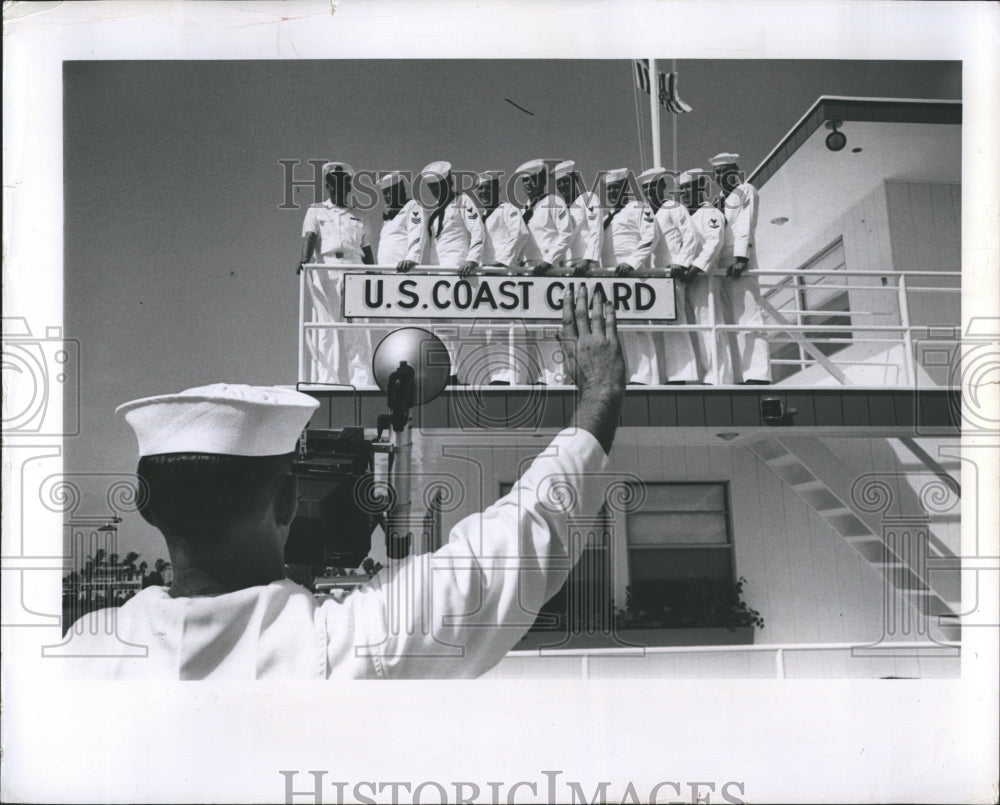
(823, 327)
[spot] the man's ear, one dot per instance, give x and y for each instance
(286, 499)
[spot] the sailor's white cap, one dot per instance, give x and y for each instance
(224, 419)
(531, 167)
(652, 175)
(723, 159)
(564, 168)
(389, 179)
(689, 176)
(485, 177)
(616, 175)
(436, 171)
(332, 167)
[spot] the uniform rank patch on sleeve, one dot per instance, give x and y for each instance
(713, 223)
(473, 215)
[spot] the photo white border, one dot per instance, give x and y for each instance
(786, 741)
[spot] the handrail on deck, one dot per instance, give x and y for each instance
(884, 308)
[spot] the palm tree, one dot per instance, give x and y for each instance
(129, 563)
(160, 567)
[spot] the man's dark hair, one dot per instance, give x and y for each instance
(200, 495)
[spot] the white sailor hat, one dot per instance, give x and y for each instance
(485, 177)
(223, 419)
(531, 167)
(389, 179)
(652, 175)
(564, 168)
(436, 171)
(616, 175)
(689, 176)
(332, 167)
(723, 159)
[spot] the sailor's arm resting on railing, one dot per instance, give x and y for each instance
(415, 232)
(482, 590)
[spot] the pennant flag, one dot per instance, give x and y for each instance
(669, 99)
(642, 74)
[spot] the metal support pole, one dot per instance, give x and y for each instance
(904, 321)
(654, 110)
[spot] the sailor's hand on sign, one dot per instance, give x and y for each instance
(300, 266)
(594, 360)
(737, 268)
(467, 267)
(623, 270)
(541, 268)
(404, 266)
(677, 272)
(581, 266)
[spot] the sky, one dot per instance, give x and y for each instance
(180, 258)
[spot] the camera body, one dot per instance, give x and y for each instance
(337, 510)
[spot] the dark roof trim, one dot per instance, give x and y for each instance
(878, 110)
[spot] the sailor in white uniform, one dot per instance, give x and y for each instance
(585, 210)
(453, 237)
(393, 239)
(502, 361)
(629, 239)
(703, 292)
(740, 289)
(217, 461)
(673, 255)
(335, 234)
(550, 229)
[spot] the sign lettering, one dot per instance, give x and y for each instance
(448, 296)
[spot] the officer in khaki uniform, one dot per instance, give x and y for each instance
(673, 255)
(740, 288)
(703, 276)
(629, 239)
(334, 234)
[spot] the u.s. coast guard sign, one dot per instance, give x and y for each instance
(436, 296)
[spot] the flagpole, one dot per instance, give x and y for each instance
(654, 110)
(673, 122)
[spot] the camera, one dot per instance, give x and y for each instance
(337, 510)
(34, 370)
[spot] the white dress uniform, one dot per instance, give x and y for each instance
(588, 234)
(702, 293)
(394, 239)
(503, 359)
(740, 298)
(550, 229)
(477, 601)
(676, 246)
(630, 236)
(451, 238)
(339, 356)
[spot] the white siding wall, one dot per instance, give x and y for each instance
(806, 581)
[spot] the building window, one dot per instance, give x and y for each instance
(585, 602)
(680, 556)
(812, 297)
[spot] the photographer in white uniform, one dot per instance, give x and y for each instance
(217, 465)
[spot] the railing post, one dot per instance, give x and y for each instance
(904, 321)
(714, 346)
(302, 325)
(779, 662)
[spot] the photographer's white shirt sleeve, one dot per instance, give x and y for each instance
(456, 612)
(451, 613)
